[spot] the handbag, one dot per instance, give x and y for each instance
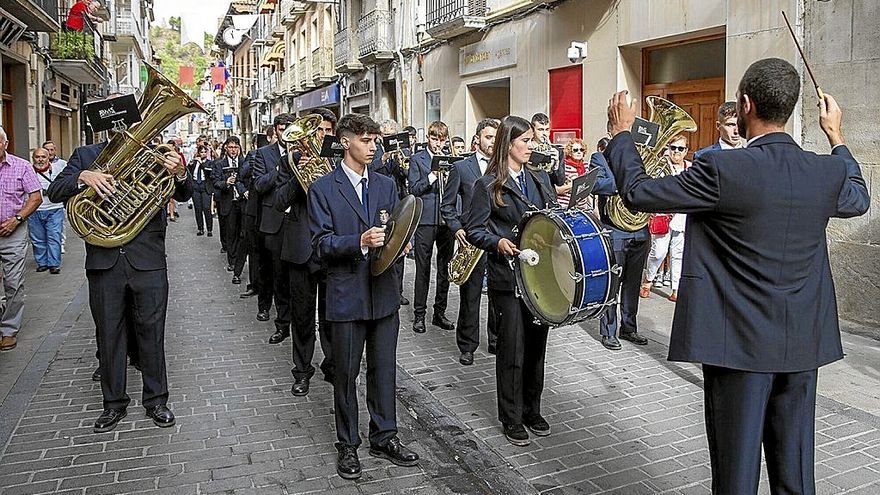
(659, 224)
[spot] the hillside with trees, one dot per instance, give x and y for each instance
(167, 48)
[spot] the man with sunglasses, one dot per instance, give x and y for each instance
(727, 129)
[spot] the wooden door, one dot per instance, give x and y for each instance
(701, 99)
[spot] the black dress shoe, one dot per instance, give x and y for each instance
(55, 270)
(42, 268)
(404, 301)
(517, 435)
(230, 268)
(210, 234)
(634, 337)
(611, 342)
(248, 293)
(161, 415)
(419, 325)
(348, 466)
(537, 425)
(96, 375)
(200, 232)
(222, 249)
(300, 387)
(263, 315)
(491, 349)
(395, 452)
(236, 279)
(109, 419)
(279, 336)
(439, 320)
(466, 358)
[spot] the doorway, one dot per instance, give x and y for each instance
(566, 103)
(490, 99)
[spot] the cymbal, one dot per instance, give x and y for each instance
(399, 230)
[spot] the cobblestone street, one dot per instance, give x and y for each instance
(626, 422)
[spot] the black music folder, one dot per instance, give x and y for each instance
(582, 186)
(391, 143)
(331, 147)
(113, 113)
(443, 163)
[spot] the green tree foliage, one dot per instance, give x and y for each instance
(167, 47)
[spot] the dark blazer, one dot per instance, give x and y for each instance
(557, 178)
(296, 244)
(756, 292)
(267, 161)
(207, 184)
(224, 193)
(147, 250)
(246, 183)
(337, 220)
(420, 186)
(390, 168)
(604, 188)
(459, 191)
(714, 147)
(487, 223)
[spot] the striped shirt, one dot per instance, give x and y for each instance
(17, 180)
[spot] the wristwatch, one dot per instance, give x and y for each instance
(19, 218)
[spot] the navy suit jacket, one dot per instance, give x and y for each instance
(604, 188)
(488, 223)
(206, 175)
(390, 168)
(713, 147)
(223, 192)
(246, 183)
(296, 243)
(459, 192)
(337, 220)
(264, 171)
(420, 186)
(147, 250)
(756, 291)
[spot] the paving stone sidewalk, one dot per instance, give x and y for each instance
(626, 422)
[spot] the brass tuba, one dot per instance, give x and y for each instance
(673, 121)
(143, 184)
(302, 136)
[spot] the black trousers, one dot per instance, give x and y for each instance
(631, 254)
(260, 262)
(467, 331)
(325, 329)
(745, 410)
(379, 338)
(426, 236)
(202, 206)
(303, 299)
(230, 231)
(242, 247)
(144, 296)
(280, 279)
(519, 363)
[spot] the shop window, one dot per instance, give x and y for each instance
(432, 106)
(686, 62)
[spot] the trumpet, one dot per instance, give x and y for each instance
(402, 159)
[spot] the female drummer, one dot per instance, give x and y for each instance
(500, 199)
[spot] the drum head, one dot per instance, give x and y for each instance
(548, 287)
(401, 227)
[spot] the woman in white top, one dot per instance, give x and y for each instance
(47, 223)
(672, 242)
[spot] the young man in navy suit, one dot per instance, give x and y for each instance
(727, 129)
(456, 204)
(757, 306)
(345, 214)
(224, 172)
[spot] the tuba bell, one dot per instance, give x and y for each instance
(143, 184)
(302, 137)
(673, 121)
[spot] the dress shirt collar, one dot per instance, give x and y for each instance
(354, 178)
(750, 141)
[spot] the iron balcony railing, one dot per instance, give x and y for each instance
(86, 45)
(342, 53)
(440, 12)
(302, 70)
(375, 33)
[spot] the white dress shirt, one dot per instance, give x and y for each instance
(355, 180)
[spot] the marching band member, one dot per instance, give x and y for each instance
(456, 202)
(253, 241)
(203, 190)
(344, 211)
(500, 199)
(541, 128)
(224, 172)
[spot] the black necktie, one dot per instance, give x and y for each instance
(522, 183)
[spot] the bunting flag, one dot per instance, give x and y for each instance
(219, 76)
(186, 75)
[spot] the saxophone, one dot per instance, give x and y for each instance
(673, 121)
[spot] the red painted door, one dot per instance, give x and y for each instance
(566, 103)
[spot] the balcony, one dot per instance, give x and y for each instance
(128, 27)
(79, 55)
(303, 76)
(291, 11)
(39, 15)
(447, 19)
(375, 37)
(344, 59)
(322, 65)
(292, 81)
(278, 29)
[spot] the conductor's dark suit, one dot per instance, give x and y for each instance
(456, 200)
(131, 276)
(431, 229)
(267, 161)
(364, 309)
(226, 196)
(756, 302)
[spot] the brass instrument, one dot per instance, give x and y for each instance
(673, 121)
(402, 159)
(301, 136)
(548, 150)
(143, 184)
(462, 265)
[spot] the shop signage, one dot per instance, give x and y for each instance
(487, 55)
(318, 98)
(359, 87)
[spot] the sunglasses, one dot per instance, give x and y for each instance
(678, 148)
(577, 150)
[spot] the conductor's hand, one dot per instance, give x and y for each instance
(102, 183)
(621, 115)
(373, 238)
(461, 237)
(173, 164)
(507, 248)
(830, 118)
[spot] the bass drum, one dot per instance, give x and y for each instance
(575, 277)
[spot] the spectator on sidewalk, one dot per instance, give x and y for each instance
(19, 197)
(47, 223)
(57, 164)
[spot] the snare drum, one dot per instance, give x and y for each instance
(575, 277)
